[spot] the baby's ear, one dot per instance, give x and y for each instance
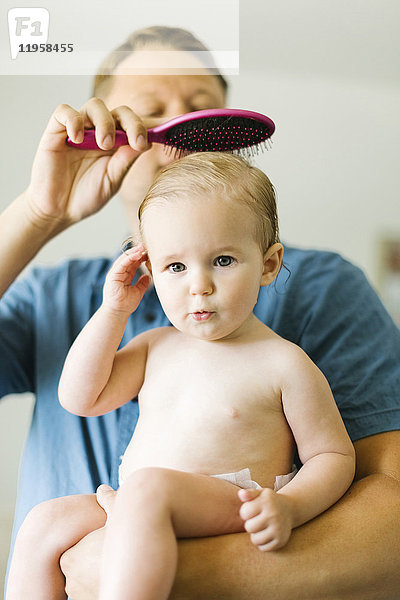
(148, 266)
(272, 263)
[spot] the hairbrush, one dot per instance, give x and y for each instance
(218, 130)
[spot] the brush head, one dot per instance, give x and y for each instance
(217, 134)
(215, 130)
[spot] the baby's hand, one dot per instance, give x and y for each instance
(118, 293)
(267, 517)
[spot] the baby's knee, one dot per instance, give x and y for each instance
(149, 486)
(37, 520)
(43, 524)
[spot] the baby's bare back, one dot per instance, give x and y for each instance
(212, 407)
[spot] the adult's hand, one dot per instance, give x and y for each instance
(69, 184)
(81, 567)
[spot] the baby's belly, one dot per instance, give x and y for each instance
(266, 451)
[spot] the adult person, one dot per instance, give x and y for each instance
(326, 306)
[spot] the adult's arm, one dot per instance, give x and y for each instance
(352, 551)
(67, 184)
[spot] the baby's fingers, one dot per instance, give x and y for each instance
(248, 494)
(142, 285)
(256, 524)
(129, 248)
(266, 541)
(274, 536)
(130, 258)
(250, 507)
(123, 270)
(136, 292)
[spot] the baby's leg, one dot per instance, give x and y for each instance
(49, 530)
(153, 507)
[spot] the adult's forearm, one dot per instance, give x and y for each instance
(351, 552)
(22, 235)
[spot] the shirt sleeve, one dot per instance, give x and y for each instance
(17, 345)
(333, 313)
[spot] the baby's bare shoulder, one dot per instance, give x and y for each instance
(161, 335)
(286, 356)
(150, 337)
(158, 332)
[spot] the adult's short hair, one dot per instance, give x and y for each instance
(168, 38)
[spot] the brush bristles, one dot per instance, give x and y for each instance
(220, 134)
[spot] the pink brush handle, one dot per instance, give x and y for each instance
(121, 139)
(89, 140)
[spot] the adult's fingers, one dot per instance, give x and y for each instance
(65, 120)
(132, 125)
(96, 114)
(81, 566)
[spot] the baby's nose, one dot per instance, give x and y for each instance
(201, 284)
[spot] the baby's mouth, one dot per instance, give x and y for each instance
(201, 315)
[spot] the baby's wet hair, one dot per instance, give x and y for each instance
(219, 174)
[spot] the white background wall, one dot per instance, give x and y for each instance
(326, 71)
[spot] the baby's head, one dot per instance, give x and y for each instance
(223, 175)
(210, 227)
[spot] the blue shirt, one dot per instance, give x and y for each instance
(325, 305)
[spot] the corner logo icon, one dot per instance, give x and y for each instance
(26, 26)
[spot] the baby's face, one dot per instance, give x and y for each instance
(206, 264)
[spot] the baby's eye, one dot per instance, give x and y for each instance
(176, 267)
(224, 261)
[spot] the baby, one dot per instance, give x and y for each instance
(223, 400)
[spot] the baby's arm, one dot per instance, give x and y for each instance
(96, 378)
(325, 451)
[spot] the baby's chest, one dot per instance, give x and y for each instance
(224, 389)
